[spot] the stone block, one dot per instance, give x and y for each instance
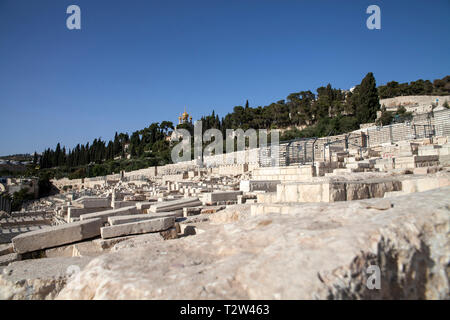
(268, 197)
(391, 194)
(104, 215)
(192, 211)
(8, 258)
(213, 209)
(444, 160)
(425, 170)
(95, 202)
(146, 226)
(6, 249)
(258, 185)
(416, 161)
(74, 212)
(56, 235)
(141, 217)
(174, 205)
(144, 205)
(333, 191)
(123, 204)
(429, 150)
(424, 184)
(213, 197)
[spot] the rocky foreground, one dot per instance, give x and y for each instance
(316, 251)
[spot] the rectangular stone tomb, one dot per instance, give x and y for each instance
(123, 204)
(175, 204)
(74, 212)
(416, 161)
(142, 217)
(104, 215)
(332, 191)
(259, 185)
(213, 197)
(144, 205)
(95, 202)
(146, 226)
(56, 235)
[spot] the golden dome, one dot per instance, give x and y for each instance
(185, 115)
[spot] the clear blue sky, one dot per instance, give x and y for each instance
(137, 62)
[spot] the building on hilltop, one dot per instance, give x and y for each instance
(184, 118)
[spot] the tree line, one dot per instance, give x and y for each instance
(330, 110)
(420, 87)
(147, 140)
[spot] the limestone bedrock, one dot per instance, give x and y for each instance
(313, 251)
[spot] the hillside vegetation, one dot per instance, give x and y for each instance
(329, 110)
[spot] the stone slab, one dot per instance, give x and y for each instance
(104, 215)
(146, 226)
(6, 249)
(123, 204)
(259, 185)
(332, 191)
(191, 211)
(95, 202)
(213, 197)
(8, 258)
(211, 209)
(74, 212)
(175, 205)
(56, 235)
(141, 217)
(144, 205)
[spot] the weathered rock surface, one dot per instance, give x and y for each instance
(145, 239)
(38, 279)
(8, 258)
(100, 246)
(309, 251)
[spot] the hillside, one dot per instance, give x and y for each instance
(309, 114)
(415, 104)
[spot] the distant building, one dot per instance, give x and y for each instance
(184, 118)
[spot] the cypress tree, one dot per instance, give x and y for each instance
(369, 103)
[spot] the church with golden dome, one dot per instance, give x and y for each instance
(184, 118)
